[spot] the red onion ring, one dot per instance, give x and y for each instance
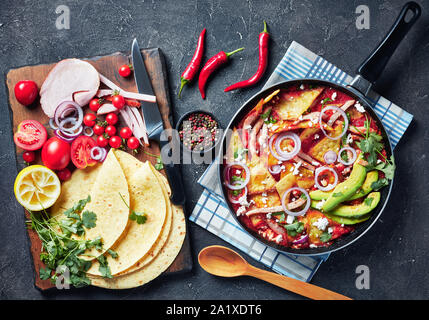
(71, 134)
(293, 213)
(88, 134)
(329, 186)
(275, 169)
(96, 153)
(60, 135)
(330, 157)
(302, 239)
(343, 114)
(63, 108)
(353, 151)
(52, 124)
(240, 185)
(280, 154)
(104, 155)
(237, 201)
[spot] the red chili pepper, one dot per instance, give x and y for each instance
(264, 37)
(211, 65)
(193, 66)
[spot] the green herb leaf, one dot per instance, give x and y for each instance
(45, 274)
(88, 219)
(138, 217)
(380, 183)
(325, 236)
(280, 216)
(368, 201)
(114, 254)
(104, 267)
(338, 194)
(294, 228)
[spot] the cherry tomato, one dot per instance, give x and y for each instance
(126, 132)
(56, 154)
(30, 135)
(98, 130)
(110, 130)
(89, 119)
(102, 141)
(64, 174)
(115, 142)
(94, 105)
(124, 70)
(133, 143)
(81, 152)
(111, 118)
(118, 101)
(29, 156)
(26, 92)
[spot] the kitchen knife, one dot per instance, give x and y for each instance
(155, 127)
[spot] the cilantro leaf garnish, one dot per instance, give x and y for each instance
(294, 228)
(368, 201)
(104, 267)
(88, 219)
(138, 217)
(113, 253)
(45, 274)
(159, 165)
(325, 236)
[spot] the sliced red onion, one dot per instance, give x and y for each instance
(280, 154)
(103, 155)
(67, 131)
(236, 201)
(96, 153)
(88, 131)
(343, 114)
(52, 124)
(275, 169)
(63, 109)
(329, 186)
(60, 135)
(301, 240)
(352, 160)
(330, 157)
(239, 185)
(296, 213)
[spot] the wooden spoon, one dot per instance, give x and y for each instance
(224, 262)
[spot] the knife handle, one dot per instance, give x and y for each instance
(174, 175)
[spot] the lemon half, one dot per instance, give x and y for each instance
(37, 188)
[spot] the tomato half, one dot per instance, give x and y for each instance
(56, 154)
(81, 152)
(31, 135)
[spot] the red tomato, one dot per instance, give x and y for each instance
(64, 174)
(126, 132)
(124, 70)
(29, 156)
(102, 141)
(112, 118)
(118, 101)
(94, 105)
(110, 130)
(56, 154)
(89, 119)
(26, 92)
(133, 143)
(81, 152)
(115, 142)
(30, 135)
(98, 130)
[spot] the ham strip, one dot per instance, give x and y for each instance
(253, 152)
(127, 94)
(307, 158)
(336, 115)
(304, 163)
(69, 80)
(263, 210)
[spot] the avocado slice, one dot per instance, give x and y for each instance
(371, 177)
(346, 189)
(356, 211)
(348, 221)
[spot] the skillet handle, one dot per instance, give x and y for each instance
(372, 67)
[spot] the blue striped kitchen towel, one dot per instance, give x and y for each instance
(212, 213)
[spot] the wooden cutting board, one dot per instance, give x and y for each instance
(108, 66)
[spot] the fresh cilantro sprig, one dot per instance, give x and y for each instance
(138, 217)
(325, 237)
(294, 228)
(60, 250)
(159, 165)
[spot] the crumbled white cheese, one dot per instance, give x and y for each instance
(321, 223)
(269, 215)
(264, 200)
(283, 168)
(296, 168)
(274, 127)
(248, 127)
(263, 182)
(264, 194)
(290, 219)
(316, 136)
(243, 201)
(379, 161)
(301, 87)
(359, 107)
(349, 138)
(334, 96)
(330, 230)
(279, 238)
(279, 162)
(300, 118)
(320, 204)
(312, 245)
(241, 210)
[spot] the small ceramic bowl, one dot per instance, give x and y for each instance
(184, 118)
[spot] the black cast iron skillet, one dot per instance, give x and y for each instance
(367, 74)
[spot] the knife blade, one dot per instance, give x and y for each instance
(155, 126)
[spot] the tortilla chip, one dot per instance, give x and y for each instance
(292, 108)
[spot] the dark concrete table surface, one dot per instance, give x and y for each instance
(395, 249)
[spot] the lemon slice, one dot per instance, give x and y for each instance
(37, 188)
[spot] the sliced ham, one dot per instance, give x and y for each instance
(264, 210)
(336, 115)
(70, 79)
(276, 228)
(106, 108)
